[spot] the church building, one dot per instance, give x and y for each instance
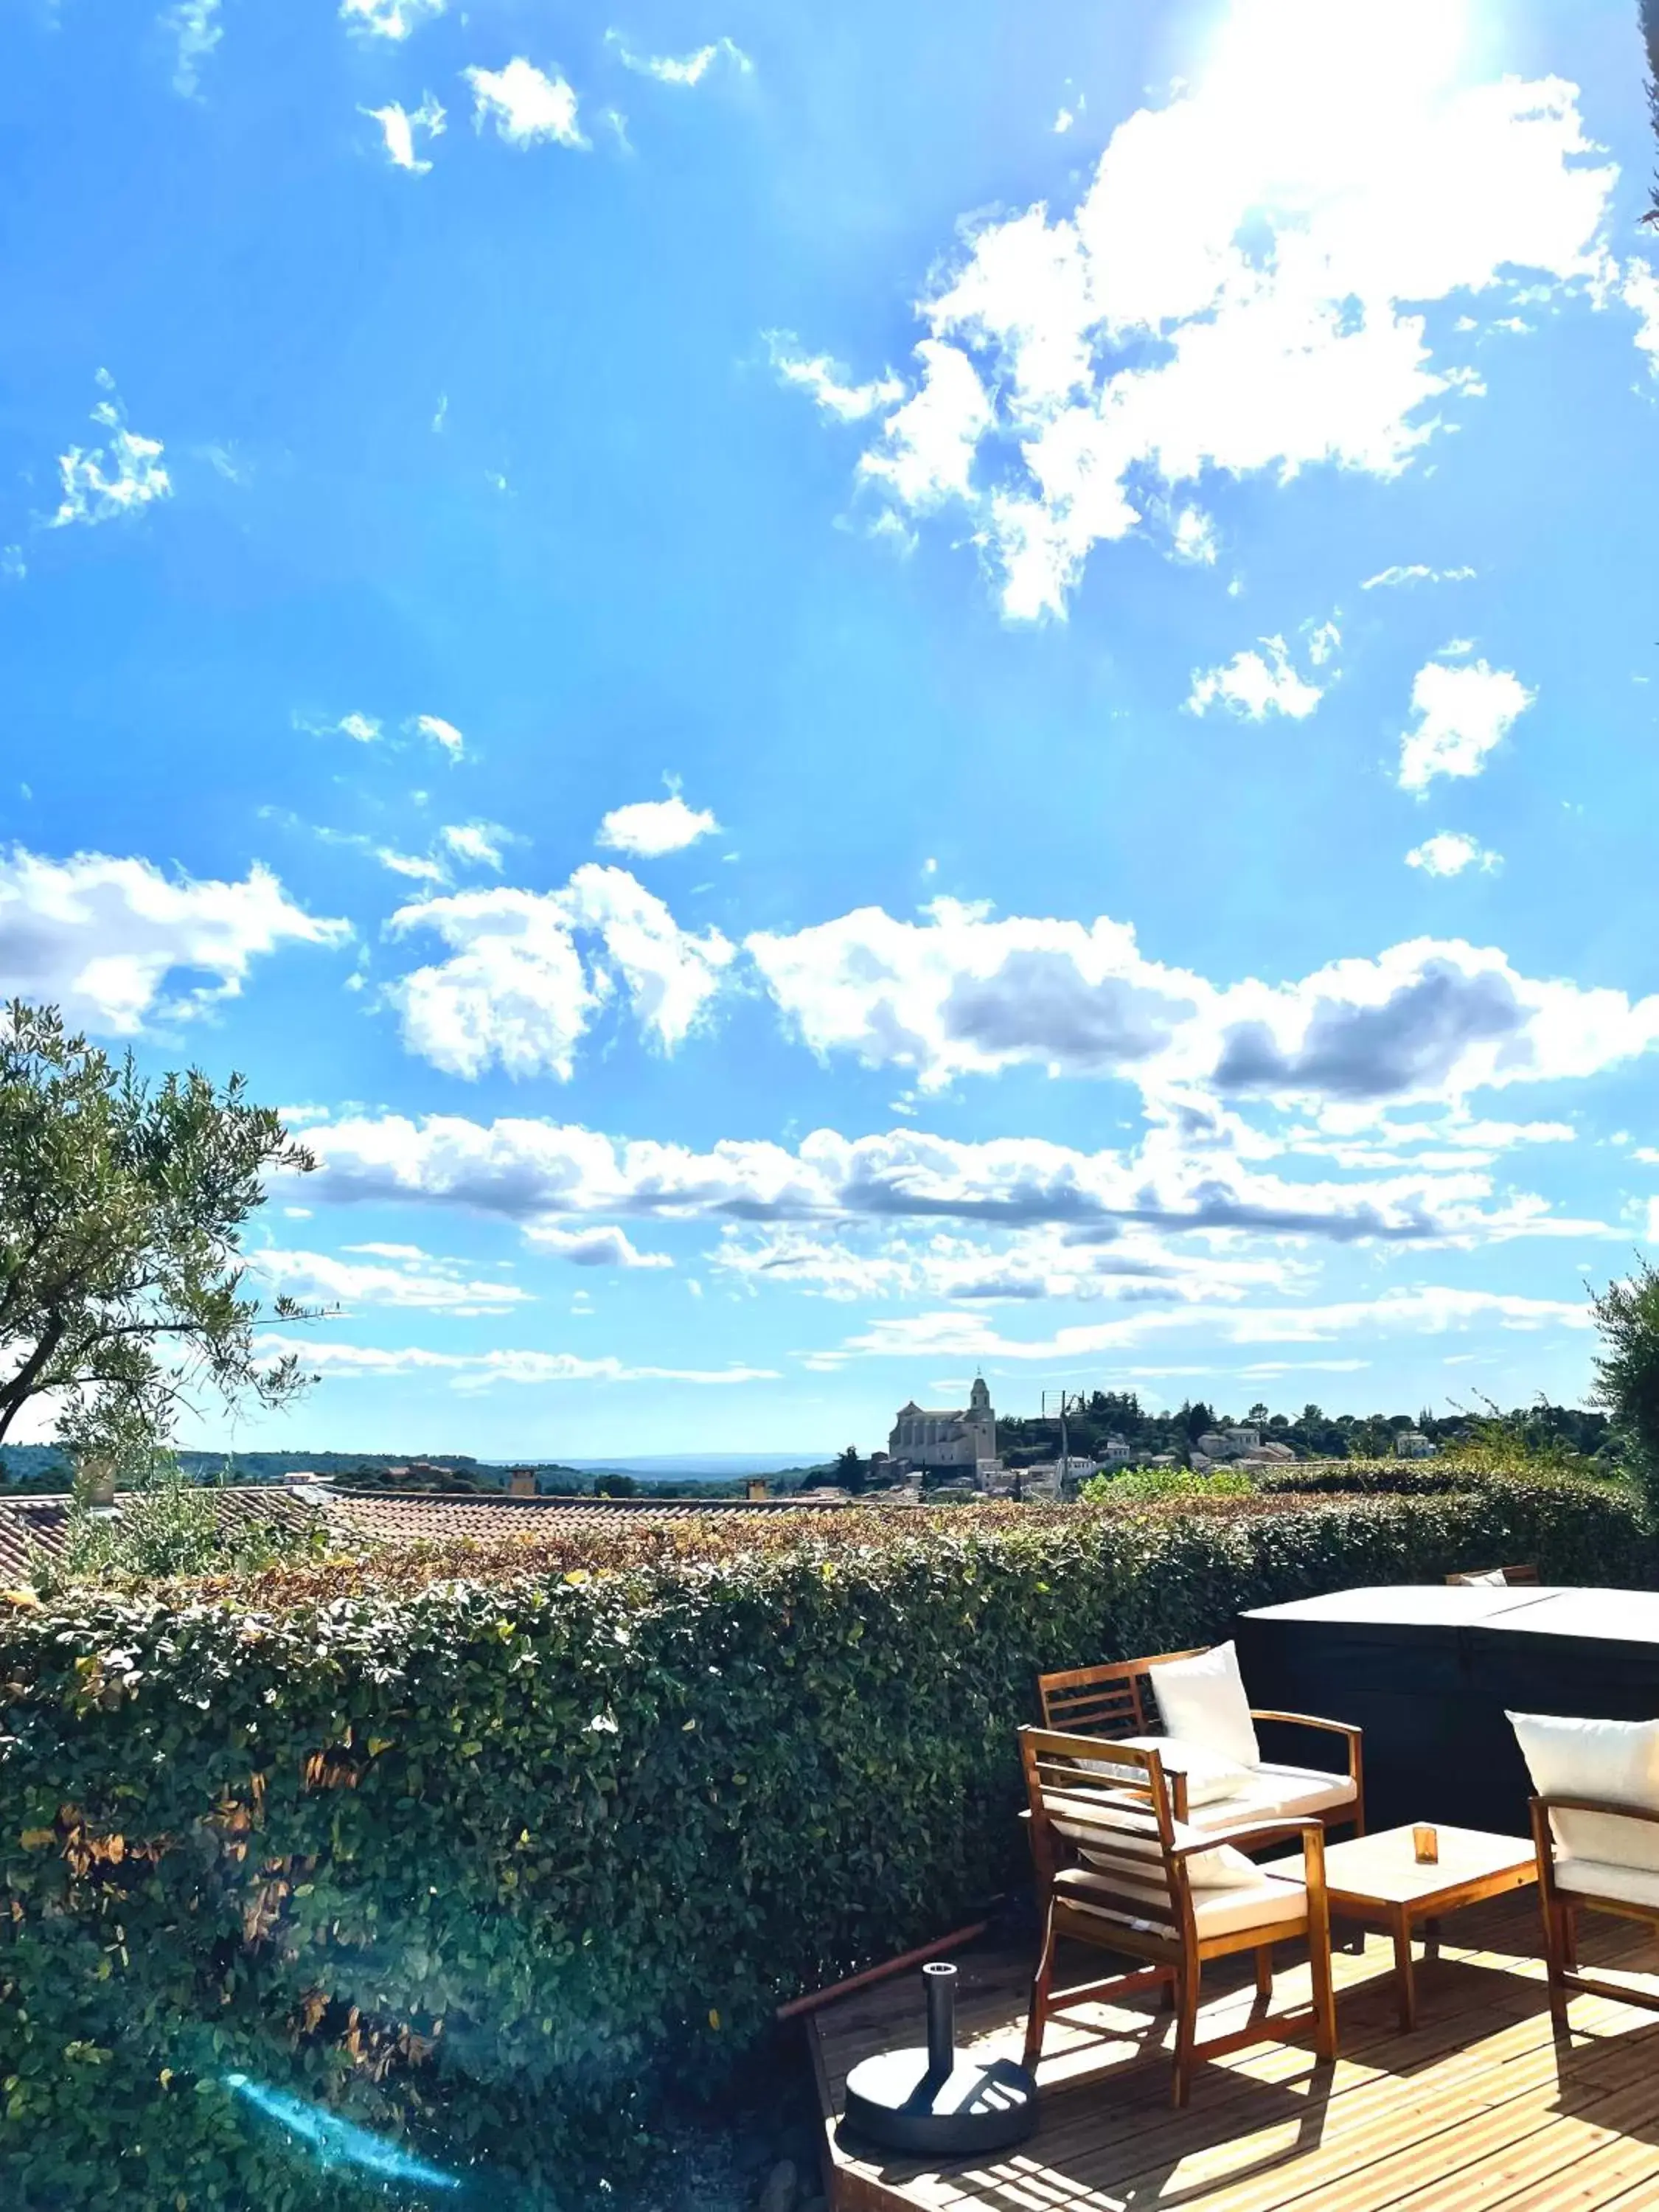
(959, 1438)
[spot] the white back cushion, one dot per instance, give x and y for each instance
(1617, 1761)
(1209, 1776)
(1496, 1579)
(1202, 1700)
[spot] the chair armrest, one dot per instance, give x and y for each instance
(1264, 1832)
(1309, 1720)
(1598, 1805)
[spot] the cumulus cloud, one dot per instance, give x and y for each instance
(1196, 1172)
(196, 25)
(389, 19)
(105, 937)
(1242, 287)
(958, 993)
(599, 1247)
(1449, 853)
(121, 478)
(398, 129)
(652, 827)
(1255, 687)
(828, 382)
(1461, 713)
(382, 1275)
(523, 980)
(682, 69)
(1416, 573)
(527, 107)
(484, 1370)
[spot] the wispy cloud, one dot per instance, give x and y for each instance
(1256, 685)
(389, 19)
(652, 827)
(682, 69)
(108, 481)
(1416, 573)
(196, 25)
(441, 733)
(828, 382)
(398, 129)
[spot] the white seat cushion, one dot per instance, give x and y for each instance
(1209, 1776)
(1202, 1701)
(1267, 1902)
(1594, 1878)
(1617, 1761)
(1276, 1793)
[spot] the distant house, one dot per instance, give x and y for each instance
(1412, 1444)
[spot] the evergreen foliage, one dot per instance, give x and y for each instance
(475, 1851)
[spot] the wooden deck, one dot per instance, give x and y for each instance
(1476, 2109)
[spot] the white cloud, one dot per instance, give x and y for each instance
(441, 733)
(1242, 287)
(102, 936)
(926, 453)
(652, 827)
(361, 729)
(1416, 573)
(1640, 293)
(604, 1247)
(1449, 852)
(120, 478)
(959, 994)
(479, 842)
(483, 1370)
(389, 19)
(1429, 1310)
(196, 25)
(418, 867)
(398, 129)
(525, 105)
(1194, 1174)
(387, 1275)
(1255, 687)
(828, 381)
(682, 69)
(1462, 713)
(522, 986)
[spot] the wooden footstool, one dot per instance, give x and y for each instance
(1376, 1879)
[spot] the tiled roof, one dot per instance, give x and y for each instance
(39, 1523)
(30, 1523)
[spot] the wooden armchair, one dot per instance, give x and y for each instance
(1119, 1700)
(1121, 1873)
(1566, 1885)
(1511, 1578)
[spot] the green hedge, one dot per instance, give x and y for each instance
(474, 1865)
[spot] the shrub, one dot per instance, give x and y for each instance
(476, 1863)
(1150, 1485)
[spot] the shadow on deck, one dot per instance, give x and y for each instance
(1478, 2108)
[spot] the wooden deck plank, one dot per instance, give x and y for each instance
(1473, 2108)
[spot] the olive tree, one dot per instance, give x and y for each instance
(122, 1205)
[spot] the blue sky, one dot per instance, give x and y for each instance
(843, 696)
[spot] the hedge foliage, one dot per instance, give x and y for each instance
(474, 1863)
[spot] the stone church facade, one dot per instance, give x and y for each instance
(961, 1437)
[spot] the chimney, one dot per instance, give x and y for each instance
(521, 1482)
(755, 1489)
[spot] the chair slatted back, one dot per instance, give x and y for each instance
(1111, 1817)
(1514, 1578)
(1115, 1700)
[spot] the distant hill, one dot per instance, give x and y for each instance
(43, 1467)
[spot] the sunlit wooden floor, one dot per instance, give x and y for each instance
(1478, 2108)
